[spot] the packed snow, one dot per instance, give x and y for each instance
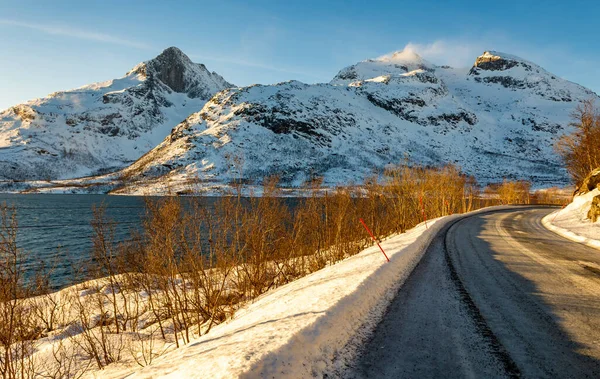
(304, 328)
(310, 327)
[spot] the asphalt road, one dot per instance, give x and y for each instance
(496, 295)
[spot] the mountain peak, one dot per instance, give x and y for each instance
(405, 56)
(172, 54)
(399, 62)
(124, 117)
(177, 71)
(496, 61)
(171, 67)
(168, 57)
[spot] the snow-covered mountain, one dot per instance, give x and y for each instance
(103, 126)
(498, 119)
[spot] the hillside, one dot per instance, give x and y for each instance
(103, 126)
(497, 119)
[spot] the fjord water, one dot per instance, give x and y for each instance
(55, 231)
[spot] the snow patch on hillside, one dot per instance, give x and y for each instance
(498, 120)
(103, 126)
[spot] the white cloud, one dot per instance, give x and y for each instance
(61, 30)
(442, 52)
(558, 59)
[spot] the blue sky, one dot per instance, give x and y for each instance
(53, 45)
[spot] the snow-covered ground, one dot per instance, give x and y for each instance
(308, 327)
(304, 328)
(572, 222)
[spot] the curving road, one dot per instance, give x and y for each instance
(496, 295)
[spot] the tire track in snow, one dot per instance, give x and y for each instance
(484, 329)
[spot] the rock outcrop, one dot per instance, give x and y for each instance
(594, 212)
(591, 182)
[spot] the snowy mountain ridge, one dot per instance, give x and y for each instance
(103, 126)
(498, 119)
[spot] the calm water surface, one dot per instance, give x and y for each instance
(55, 231)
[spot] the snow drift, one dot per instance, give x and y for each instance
(573, 221)
(301, 329)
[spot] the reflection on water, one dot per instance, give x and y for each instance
(55, 230)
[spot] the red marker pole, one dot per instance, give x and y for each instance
(374, 239)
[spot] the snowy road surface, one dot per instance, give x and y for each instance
(496, 295)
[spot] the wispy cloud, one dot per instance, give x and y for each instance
(263, 66)
(67, 31)
(443, 52)
(558, 59)
(260, 46)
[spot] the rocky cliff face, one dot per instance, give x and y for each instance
(515, 73)
(590, 183)
(174, 69)
(103, 126)
(498, 119)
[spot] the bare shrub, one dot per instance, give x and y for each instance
(95, 330)
(64, 362)
(580, 150)
(416, 194)
(50, 309)
(144, 347)
(553, 195)
(514, 192)
(18, 329)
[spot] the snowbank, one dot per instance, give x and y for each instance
(305, 328)
(572, 222)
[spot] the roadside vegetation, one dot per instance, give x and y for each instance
(190, 266)
(580, 150)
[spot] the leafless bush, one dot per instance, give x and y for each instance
(416, 194)
(553, 195)
(18, 329)
(50, 309)
(580, 150)
(144, 347)
(64, 362)
(514, 192)
(92, 332)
